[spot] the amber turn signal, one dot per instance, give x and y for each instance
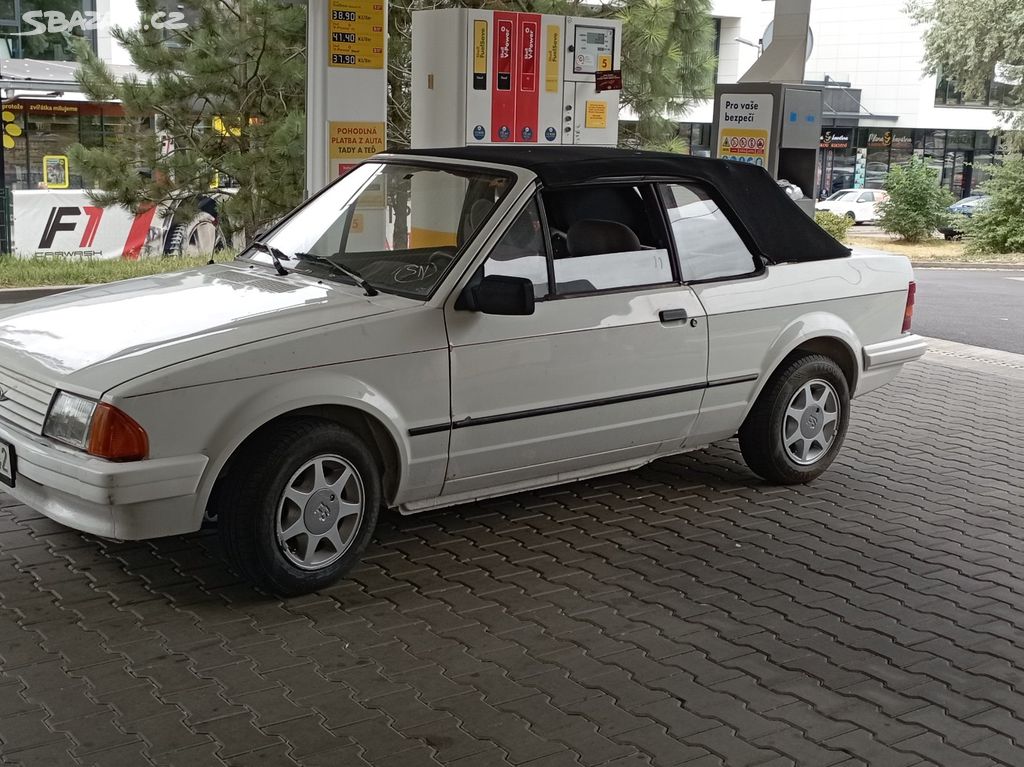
(116, 436)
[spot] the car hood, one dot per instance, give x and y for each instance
(101, 336)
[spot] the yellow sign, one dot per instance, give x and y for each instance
(355, 141)
(744, 145)
(355, 34)
(55, 171)
(219, 127)
(553, 48)
(217, 123)
(596, 115)
(604, 63)
(479, 55)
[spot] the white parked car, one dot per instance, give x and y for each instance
(858, 205)
(442, 326)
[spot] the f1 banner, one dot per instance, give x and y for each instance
(66, 224)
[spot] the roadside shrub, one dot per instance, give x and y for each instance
(833, 223)
(999, 226)
(917, 204)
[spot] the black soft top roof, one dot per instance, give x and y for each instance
(781, 231)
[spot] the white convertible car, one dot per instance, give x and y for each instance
(442, 326)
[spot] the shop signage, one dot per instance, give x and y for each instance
(881, 140)
(744, 127)
(835, 139)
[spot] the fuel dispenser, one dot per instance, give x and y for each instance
(496, 77)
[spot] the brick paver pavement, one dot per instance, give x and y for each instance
(682, 614)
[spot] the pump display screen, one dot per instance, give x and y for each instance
(593, 50)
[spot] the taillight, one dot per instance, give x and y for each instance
(116, 436)
(908, 312)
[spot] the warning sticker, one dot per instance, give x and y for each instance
(596, 115)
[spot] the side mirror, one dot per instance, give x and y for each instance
(498, 294)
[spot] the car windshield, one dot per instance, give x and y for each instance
(398, 226)
(844, 194)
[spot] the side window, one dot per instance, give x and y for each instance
(866, 197)
(708, 245)
(521, 253)
(606, 238)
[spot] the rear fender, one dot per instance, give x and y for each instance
(818, 329)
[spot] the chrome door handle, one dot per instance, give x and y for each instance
(673, 315)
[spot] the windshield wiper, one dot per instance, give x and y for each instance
(352, 274)
(275, 254)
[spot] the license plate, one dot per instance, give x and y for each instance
(6, 463)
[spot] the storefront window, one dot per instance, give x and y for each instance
(51, 129)
(15, 148)
(838, 159)
(36, 151)
(879, 142)
(902, 147)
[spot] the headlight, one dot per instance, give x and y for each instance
(69, 419)
(99, 428)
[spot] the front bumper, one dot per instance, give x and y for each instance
(898, 351)
(129, 501)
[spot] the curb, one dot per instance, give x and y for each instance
(963, 265)
(17, 295)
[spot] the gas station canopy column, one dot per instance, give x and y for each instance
(771, 117)
(346, 86)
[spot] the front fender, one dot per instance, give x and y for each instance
(312, 389)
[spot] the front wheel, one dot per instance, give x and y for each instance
(799, 421)
(300, 505)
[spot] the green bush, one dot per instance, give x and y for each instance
(833, 223)
(999, 226)
(917, 204)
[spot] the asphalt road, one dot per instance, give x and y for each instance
(974, 306)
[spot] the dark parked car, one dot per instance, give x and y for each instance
(965, 207)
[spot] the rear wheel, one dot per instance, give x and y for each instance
(799, 421)
(300, 505)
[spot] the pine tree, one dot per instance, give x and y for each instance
(222, 96)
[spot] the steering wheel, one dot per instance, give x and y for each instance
(415, 273)
(438, 254)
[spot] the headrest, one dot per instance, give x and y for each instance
(592, 237)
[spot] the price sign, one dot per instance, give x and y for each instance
(355, 34)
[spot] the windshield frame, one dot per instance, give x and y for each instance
(513, 175)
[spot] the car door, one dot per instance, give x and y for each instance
(608, 370)
(719, 265)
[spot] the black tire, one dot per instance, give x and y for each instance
(252, 505)
(852, 216)
(761, 436)
(175, 246)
